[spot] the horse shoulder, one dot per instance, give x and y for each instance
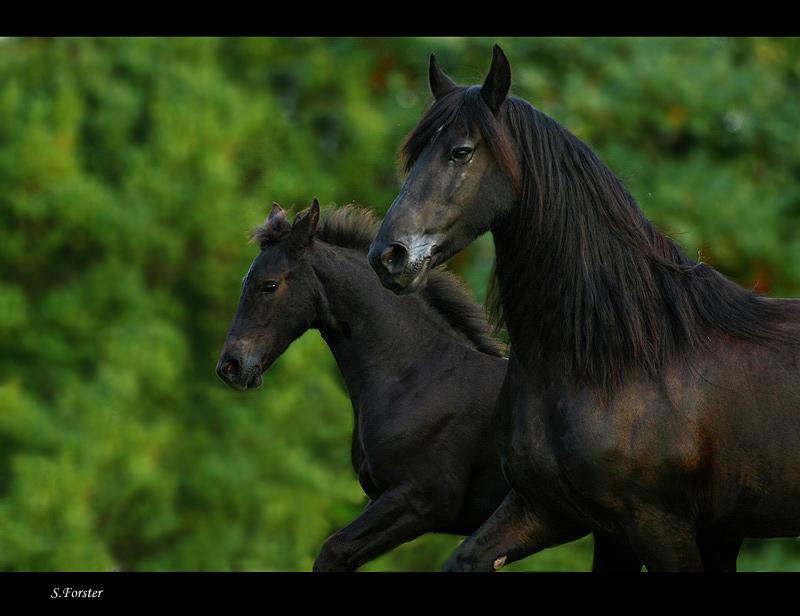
(645, 442)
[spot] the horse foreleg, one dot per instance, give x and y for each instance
(612, 556)
(664, 541)
(513, 532)
(720, 556)
(390, 520)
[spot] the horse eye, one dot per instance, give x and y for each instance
(461, 153)
(269, 287)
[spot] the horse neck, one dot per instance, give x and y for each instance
(564, 254)
(589, 289)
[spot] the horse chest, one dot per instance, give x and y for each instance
(533, 452)
(585, 461)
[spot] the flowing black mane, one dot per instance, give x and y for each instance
(354, 228)
(587, 280)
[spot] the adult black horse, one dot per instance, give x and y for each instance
(648, 399)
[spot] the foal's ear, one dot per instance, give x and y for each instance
(277, 225)
(440, 83)
(498, 81)
(305, 224)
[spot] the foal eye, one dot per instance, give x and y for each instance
(269, 287)
(461, 153)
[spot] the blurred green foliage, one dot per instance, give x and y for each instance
(130, 171)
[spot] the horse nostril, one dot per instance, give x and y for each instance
(229, 370)
(395, 257)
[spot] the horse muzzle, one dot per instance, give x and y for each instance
(400, 268)
(239, 375)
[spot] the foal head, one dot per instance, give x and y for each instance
(277, 303)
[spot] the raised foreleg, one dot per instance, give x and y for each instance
(394, 518)
(513, 532)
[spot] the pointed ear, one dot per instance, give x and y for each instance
(277, 225)
(305, 225)
(498, 81)
(440, 83)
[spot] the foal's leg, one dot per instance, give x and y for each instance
(510, 534)
(391, 520)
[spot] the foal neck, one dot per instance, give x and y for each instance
(370, 330)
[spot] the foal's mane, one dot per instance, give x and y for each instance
(587, 281)
(354, 228)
